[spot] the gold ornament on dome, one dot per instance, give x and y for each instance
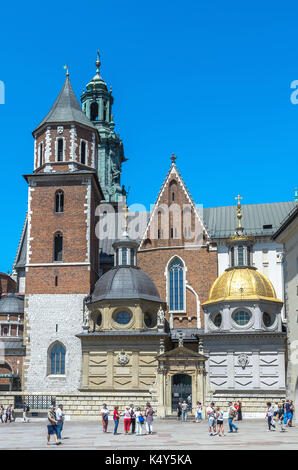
(242, 283)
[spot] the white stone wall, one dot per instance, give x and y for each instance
(264, 370)
(42, 314)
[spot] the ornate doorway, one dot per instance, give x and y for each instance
(181, 389)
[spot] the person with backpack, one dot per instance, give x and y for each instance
(139, 421)
(132, 418)
(231, 415)
(26, 410)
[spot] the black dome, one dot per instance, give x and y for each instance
(12, 303)
(125, 282)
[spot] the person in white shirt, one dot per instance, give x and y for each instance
(104, 413)
(210, 415)
(139, 421)
(60, 418)
(219, 419)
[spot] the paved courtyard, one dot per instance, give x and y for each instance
(169, 434)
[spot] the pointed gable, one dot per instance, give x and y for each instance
(175, 219)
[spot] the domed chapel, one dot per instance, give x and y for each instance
(192, 307)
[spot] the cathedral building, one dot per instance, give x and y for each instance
(192, 304)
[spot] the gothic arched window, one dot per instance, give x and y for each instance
(58, 246)
(176, 285)
(57, 359)
(94, 111)
(59, 201)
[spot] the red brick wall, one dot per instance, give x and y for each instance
(7, 284)
(72, 224)
(201, 272)
(201, 265)
(82, 134)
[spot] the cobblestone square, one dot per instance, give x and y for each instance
(168, 434)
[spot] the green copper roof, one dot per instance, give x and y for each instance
(66, 109)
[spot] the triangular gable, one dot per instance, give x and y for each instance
(174, 171)
(182, 352)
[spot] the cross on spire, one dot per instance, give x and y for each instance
(238, 197)
(173, 158)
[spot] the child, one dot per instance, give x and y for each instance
(199, 412)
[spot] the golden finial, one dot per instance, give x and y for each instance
(66, 68)
(173, 158)
(97, 63)
(239, 215)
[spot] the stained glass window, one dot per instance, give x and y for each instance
(176, 286)
(58, 359)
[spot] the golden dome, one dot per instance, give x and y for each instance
(241, 283)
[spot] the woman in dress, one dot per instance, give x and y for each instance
(149, 418)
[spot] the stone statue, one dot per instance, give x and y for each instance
(160, 318)
(86, 318)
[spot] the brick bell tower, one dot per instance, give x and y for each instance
(62, 247)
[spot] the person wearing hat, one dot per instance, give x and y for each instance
(60, 419)
(52, 425)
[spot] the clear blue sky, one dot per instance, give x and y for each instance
(208, 80)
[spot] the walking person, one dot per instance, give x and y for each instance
(269, 416)
(149, 418)
(116, 418)
(127, 419)
(231, 415)
(8, 414)
(139, 422)
(132, 418)
(52, 426)
(1, 413)
(26, 409)
(179, 411)
(219, 419)
(199, 415)
(288, 413)
(281, 417)
(184, 407)
(60, 420)
(104, 413)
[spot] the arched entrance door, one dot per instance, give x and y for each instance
(181, 389)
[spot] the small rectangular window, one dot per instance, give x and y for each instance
(60, 150)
